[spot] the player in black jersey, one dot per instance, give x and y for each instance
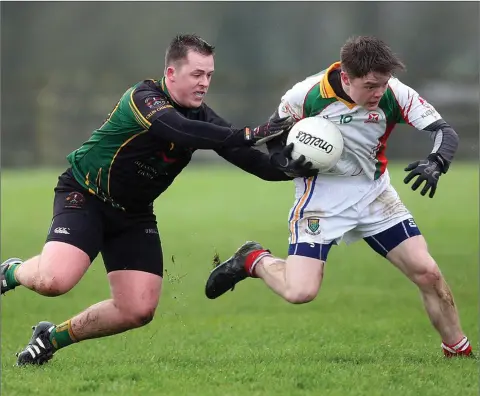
(104, 201)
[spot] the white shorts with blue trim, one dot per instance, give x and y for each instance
(335, 209)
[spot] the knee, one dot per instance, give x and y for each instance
(50, 286)
(301, 295)
(139, 317)
(427, 275)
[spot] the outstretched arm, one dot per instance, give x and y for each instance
(164, 121)
(437, 162)
(417, 112)
(246, 158)
(277, 165)
(253, 161)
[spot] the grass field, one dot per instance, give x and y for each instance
(365, 334)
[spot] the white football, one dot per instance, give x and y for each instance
(319, 140)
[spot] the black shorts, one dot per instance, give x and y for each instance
(126, 240)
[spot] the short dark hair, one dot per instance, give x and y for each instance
(361, 55)
(181, 44)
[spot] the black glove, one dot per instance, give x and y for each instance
(428, 170)
(283, 161)
(268, 131)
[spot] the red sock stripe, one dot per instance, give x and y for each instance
(462, 347)
(251, 259)
(458, 344)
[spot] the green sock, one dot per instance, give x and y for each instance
(62, 336)
(10, 276)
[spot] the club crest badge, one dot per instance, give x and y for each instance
(313, 226)
(74, 200)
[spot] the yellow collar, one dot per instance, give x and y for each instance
(327, 90)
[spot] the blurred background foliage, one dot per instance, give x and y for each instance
(65, 64)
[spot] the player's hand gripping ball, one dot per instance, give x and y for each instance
(319, 140)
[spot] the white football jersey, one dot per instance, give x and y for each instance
(365, 132)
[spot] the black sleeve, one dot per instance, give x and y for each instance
(253, 161)
(445, 139)
(246, 158)
(154, 111)
(173, 126)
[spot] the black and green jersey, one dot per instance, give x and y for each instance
(148, 139)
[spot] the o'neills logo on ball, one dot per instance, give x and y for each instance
(310, 140)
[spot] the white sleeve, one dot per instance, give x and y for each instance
(415, 110)
(292, 103)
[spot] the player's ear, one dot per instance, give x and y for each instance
(344, 77)
(170, 73)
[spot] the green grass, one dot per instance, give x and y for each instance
(365, 334)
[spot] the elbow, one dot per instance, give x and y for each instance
(456, 137)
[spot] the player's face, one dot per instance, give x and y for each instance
(190, 79)
(368, 90)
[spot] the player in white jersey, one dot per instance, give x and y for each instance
(355, 199)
